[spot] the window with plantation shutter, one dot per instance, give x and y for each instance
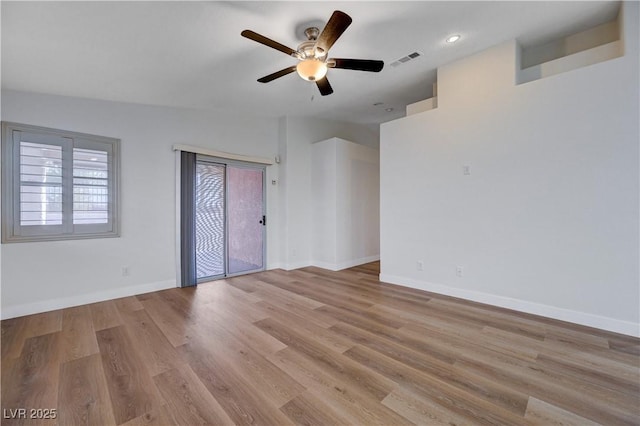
(58, 185)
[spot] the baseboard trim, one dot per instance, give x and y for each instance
(82, 299)
(347, 264)
(296, 265)
(576, 317)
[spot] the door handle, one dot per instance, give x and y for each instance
(264, 221)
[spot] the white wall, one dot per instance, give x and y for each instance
(345, 188)
(296, 136)
(42, 276)
(547, 221)
(324, 202)
(36, 277)
(358, 204)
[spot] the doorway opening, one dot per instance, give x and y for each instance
(229, 218)
(223, 218)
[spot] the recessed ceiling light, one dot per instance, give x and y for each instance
(453, 38)
(388, 109)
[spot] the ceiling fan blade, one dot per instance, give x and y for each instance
(268, 42)
(338, 22)
(324, 86)
(356, 64)
(277, 74)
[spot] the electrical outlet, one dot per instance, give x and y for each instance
(419, 265)
(459, 271)
(125, 271)
(466, 170)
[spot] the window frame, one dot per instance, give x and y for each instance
(12, 230)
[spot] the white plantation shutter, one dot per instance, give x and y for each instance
(90, 186)
(39, 161)
(93, 186)
(40, 184)
(58, 185)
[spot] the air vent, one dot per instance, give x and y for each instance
(405, 59)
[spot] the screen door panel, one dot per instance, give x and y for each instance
(210, 220)
(245, 219)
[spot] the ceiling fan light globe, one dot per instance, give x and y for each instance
(311, 69)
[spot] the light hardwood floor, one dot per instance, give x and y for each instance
(312, 347)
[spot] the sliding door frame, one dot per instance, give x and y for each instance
(226, 163)
(185, 270)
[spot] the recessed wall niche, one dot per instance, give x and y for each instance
(597, 44)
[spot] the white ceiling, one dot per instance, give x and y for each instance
(191, 54)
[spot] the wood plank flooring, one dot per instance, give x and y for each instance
(312, 347)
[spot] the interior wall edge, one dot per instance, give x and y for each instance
(296, 265)
(590, 320)
(347, 264)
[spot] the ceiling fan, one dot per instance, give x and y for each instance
(312, 54)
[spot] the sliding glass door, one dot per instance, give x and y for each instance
(229, 218)
(245, 224)
(210, 220)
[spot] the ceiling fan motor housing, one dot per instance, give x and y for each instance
(311, 66)
(308, 49)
